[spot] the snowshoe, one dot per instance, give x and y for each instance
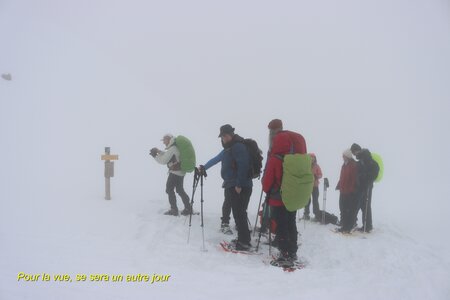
(171, 212)
(240, 246)
(282, 260)
(234, 248)
(361, 229)
(186, 212)
(289, 263)
(340, 230)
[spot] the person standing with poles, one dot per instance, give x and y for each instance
(275, 126)
(171, 158)
(348, 201)
(226, 206)
(286, 143)
(367, 173)
(237, 183)
(317, 172)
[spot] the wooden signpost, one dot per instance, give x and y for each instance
(109, 170)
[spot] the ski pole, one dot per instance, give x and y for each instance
(257, 212)
(263, 220)
(201, 212)
(270, 231)
(326, 184)
(367, 206)
(194, 187)
(304, 223)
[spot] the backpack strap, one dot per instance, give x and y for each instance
(279, 156)
(277, 193)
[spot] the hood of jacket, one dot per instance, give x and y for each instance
(281, 144)
(364, 155)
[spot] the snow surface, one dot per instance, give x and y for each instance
(126, 236)
(90, 74)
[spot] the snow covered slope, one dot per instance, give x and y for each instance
(131, 236)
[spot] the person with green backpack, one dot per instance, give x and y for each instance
(288, 182)
(178, 163)
(369, 171)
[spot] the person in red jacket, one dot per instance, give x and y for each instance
(317, 172)
(348, 202)
(284, 142)
(296, 142)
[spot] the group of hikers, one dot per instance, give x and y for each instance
(290, 181)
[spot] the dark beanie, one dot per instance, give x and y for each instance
(275, 124)
(355, 147)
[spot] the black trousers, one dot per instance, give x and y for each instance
(239, 204)
(175, 183)
(348, 205)
(286, 229)
(226, 209)
(315, 201)
(365, 203)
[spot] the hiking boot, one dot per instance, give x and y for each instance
(243, 246)
(225, 228)
(186, 212)
(263, 230)
(293, 257)
(361, 229)
(283, 260)
(171, 212)
(275, 242)
(342, 230)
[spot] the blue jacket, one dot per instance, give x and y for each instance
(235, 164)
(214, 161)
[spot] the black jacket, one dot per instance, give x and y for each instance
(367, 169)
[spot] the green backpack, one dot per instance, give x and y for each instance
(187, 154)
(297, 182)
(377, 158)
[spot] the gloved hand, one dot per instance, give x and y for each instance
(154, 152)
(201, 171)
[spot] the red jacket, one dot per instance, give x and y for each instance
(347, 181)
(317, 172)
(282, 144)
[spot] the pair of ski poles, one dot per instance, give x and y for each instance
(325, 187)
(265, 212)
(198, 176)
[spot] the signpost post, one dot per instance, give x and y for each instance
(109, 170)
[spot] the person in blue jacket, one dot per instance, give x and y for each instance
(237, 181)
(226, 206)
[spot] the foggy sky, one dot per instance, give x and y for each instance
(89, 74)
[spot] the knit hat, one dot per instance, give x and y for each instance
(348, 153)
(167, 135)
(355, 147)
(275, 124)
(226, 129)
